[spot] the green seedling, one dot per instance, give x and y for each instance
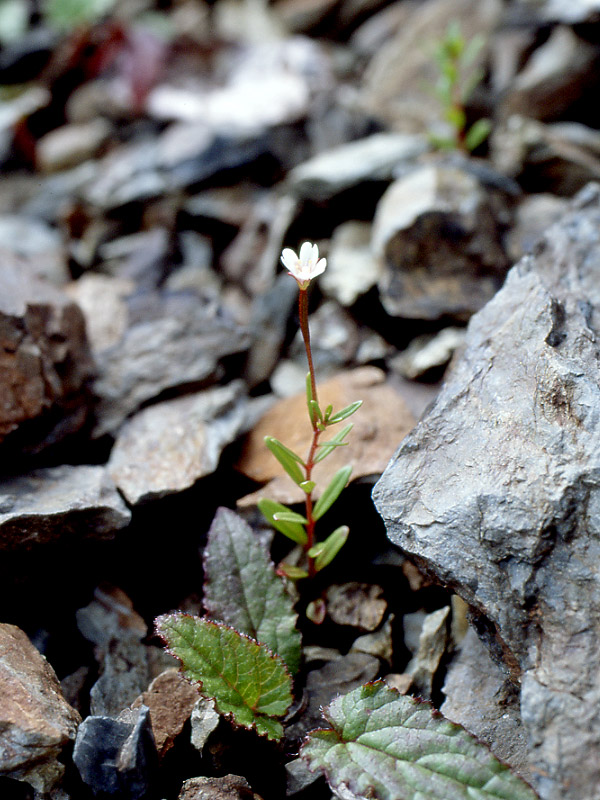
(457, 79)
(300, 528)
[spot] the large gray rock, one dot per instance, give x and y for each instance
(59, 503)
(36, 722)
(497, 492)
(45, 362)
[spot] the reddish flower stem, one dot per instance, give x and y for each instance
(310, 460)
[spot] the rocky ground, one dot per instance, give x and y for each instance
(156, 158)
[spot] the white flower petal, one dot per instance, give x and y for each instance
(289, 259)
(306, 252)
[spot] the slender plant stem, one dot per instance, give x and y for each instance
(310, 460)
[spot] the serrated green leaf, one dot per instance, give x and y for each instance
(287, 458)
(325, 448)
(245, 679)
(292, 530)
(332, 492)
(345, 412)
(330, 547)
(290, 516)
(477, 133)
(242, 588)
(387, 746)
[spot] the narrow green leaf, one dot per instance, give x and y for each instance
(338, 441)
(332, 492)
(242, 589)
(245, 679)
(314, 412)
(286, 457)
(292, 572)
(345, 412)
(331, 547)
(289, 516)
(293, 531)
(307, 486)
(477, 133)
(328, 412)
(391, 747)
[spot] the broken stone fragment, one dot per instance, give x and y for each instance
(437, 236)
(117, 756)
(496, 492)
(204, 720)
(432, 644)
(45, 362)
(167, 447)
(352, 268)
(36, 722)
(361, 605)
(59, 503)
(381, 420)
(228, 787)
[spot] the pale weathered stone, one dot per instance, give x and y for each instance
(496, 492)
(227, 787)
(204, 720)
(361, 605)
(36, 722)
(352, 269)
(432, 643)
(69, 145)
(59, 503)
(377, 644)
(436, 233)
(382, 419)
(167, 447)
(427, 352)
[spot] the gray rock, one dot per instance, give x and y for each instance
(556, 75)
(172, 341)
(35, 242)
(533, 215)
(428, 352)
(140, 257)
(373, 158)
(117, 756)
(570, 12)
(45, 362)
(361, 605)
(36, 722)
(352, 268)
(64, 502)
(204, 720)
(432, 643)
(496, 492)
(70, 145)
(435, 231)
(481, 698)
(377, 644)
(167, 447)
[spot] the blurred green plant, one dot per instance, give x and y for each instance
(457, 79)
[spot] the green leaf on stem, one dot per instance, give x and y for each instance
(289, 516)
(477, 133)
(292, 572)
(329, 548)
(292, 530)
(242, 589)
(345, 412)
(307, 486)
(287, 458)
(385, 745)
(328, 412)
(314, 412)
(325, 448)
(244, 677)
(332, 492)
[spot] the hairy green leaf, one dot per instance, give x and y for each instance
(387, 746)
(292, 530)
(332, 492)
(327, 550)
(242, 589)
(345, 412)
(325, 448)
(286, 457)
(245, 679)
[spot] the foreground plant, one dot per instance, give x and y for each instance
(456, 82)
(301, 528)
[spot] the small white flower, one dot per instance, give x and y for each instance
(306, 266)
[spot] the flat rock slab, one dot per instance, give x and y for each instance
(379, 424)
(167, 447)
(497, 492)
(36, 722)
(57, 503)
(45, 362)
